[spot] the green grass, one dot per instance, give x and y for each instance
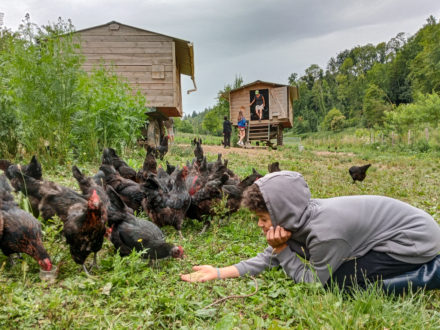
(130, 293)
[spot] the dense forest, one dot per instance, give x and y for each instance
(392, 86)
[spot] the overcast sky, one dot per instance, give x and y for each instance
(257, 39)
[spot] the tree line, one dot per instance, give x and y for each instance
(392, 86)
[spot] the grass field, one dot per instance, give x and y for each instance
(129, 293)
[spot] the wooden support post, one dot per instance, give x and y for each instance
(393, 138)
(409, 136)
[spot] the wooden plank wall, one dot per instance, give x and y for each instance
(134, 55)
(290, 111)
(241, 98)
(278, 102)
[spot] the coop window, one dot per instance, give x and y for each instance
(158, 72)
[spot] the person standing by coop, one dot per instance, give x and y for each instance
(260, 104)
(227, 129)
(169, 124)
(241, 123)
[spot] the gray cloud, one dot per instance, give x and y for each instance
(265, 39)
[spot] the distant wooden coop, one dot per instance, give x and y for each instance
(277, 113)
(151, 62)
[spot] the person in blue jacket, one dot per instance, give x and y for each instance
(241, 123)
(348, 241)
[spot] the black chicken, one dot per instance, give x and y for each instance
(167, 206)
(204, 199)
(149, 166)
(84, 218)
(170, 168)
(274, 167)
(162, 149)
(198, 152)
(20, 232)
(4, 164)
(129, 232)
(358, 173)
(131, 192)
(39, 192)
(34, 170)
(235, 192)
(88, 184)
(109, 157)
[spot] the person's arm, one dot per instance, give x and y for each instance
(325, 258)
(252, 102)
(258, 264)
(207, 273)
(264, 101)
(252, 266)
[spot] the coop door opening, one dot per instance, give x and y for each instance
(262, 100)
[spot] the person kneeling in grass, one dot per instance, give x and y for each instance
(348, 241)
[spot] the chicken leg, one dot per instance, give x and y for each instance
(206, 226)
(95, 262)
(85, 270)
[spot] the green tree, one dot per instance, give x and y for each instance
(425, 68)
(183, 125)
(334, 120)
(212, 122)
(375, 104)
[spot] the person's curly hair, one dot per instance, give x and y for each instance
(253, 199)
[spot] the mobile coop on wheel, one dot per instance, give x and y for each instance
(276, 115)
(150, 62)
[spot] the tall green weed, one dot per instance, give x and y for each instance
(55, 109)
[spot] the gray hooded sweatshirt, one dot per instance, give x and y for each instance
(330, 231)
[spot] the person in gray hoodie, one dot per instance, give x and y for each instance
(348, 240)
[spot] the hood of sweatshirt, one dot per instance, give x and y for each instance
(287, 197)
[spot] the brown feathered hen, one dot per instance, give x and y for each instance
(20, 232)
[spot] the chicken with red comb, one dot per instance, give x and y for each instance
(20, 232)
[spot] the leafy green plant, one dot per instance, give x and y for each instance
(334, 120)
(51, 107)
(108, 115)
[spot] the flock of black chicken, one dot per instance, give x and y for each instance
(107, 203)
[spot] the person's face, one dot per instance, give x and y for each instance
(264, 221)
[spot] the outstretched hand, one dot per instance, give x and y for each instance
(277, 237)
(202, 274)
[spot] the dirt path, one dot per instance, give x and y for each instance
(214, 150)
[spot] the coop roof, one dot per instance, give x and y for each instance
(184, 49)
(257, 82)
(294, 93)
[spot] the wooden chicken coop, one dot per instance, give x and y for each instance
(276, 115)
(151, 63)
